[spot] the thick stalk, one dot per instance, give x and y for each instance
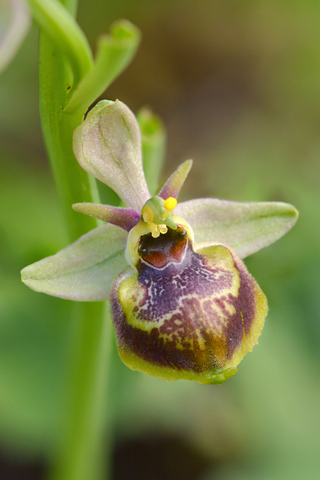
(79, 454)
(71, 180)
(82, 455)
(60, 26)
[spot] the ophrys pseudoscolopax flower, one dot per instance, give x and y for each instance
(183, 302)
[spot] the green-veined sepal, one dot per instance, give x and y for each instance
(85, 270)
(245, 227)
(108, 145)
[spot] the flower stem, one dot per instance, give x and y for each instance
(72, 182)
(79, 453)
(60, 26)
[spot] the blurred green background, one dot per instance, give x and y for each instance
(238, 86)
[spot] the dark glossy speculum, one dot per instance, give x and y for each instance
(159, 252)
(184, 314)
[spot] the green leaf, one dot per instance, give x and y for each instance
(245, 227)
(59, 25)
(83, 271)
(114, 52)
(108, 145)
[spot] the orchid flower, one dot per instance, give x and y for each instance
(183, 303)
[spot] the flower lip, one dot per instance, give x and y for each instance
(194, 319)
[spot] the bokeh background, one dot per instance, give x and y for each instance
(237, 84)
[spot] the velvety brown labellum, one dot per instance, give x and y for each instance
(184, 311)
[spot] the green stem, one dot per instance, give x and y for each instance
(79, 453)
(72, 181)
(54, 19)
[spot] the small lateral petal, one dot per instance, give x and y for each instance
(85, 270)
(245, 227)
(173, 185)
(108, 145)
(125, 218)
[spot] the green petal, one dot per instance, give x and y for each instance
(83, 271)
(174, 184)
(245, 227)
(13, 28)
(125, 218)
(108, 145)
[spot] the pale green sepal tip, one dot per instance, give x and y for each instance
(125, 218)
(93, 210)
(99, 106)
